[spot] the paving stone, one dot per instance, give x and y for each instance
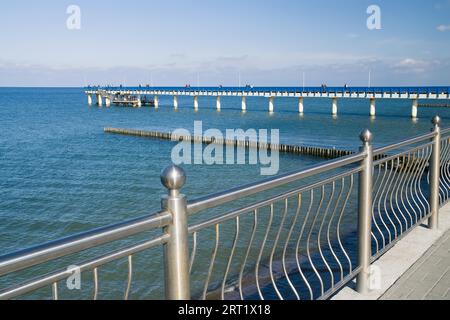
(428, 278)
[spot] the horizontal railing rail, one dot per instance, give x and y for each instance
(301, 235)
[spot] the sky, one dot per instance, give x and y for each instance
(211, 42)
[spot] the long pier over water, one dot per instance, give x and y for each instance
(136, 96)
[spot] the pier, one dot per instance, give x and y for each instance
(414, 94)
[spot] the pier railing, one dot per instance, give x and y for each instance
(301, 235)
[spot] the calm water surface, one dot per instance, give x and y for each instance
(60, 173)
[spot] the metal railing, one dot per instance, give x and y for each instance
(302, 235)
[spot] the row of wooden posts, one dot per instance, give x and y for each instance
(330, 153)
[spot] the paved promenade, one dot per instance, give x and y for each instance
(428, 278)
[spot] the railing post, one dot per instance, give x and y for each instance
(365, 213)
(435, 168)
(176, 251)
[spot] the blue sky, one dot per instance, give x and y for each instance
(172, 42)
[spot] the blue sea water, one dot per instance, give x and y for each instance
(61, 174)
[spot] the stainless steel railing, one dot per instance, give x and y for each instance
(302, 235)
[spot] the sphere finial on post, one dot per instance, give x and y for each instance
(436, 121)
(366, 136)
(173, 178)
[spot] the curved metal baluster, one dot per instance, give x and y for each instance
(374, 220)
(417, 182)
(55, 291)
(380, 200)
(376, 196)
(418, 175)
(329, 227)
(95, 283)
(397, 179)
(385, 201)
(319, 234)
(274, 248)
(288, 239)
(399, 191)
(130, 277)
(194, 251)
(444, 171)
(250, 243)
(261, 251)
(409, 188)
(236, 237)
(211, 264)
(297, 247)
(309, 241)
(443, 181)
(339, 224)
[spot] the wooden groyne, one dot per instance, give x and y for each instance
(434, 105)
(329, 153)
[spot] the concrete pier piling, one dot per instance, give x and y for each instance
(323, 152)
(99, 100)
(195, 103)
(175, 102)
(156, 102)
(414, 108)
(300, 105)
(334, 107)
(271, 104)
(218, 105)
(244, 103)
(372, 107)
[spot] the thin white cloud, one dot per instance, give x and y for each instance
(443, 27)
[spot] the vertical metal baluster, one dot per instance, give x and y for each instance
(410, 186)
(322, 195)
(392, 224)
(339, 224)
(194, 251)
(211, 263)
(261, 251)
(330, 223)
(275, 244)
(375, 208)
(376, 187)
(422, 196)
(319, 233)
(130, 277)
(55, 291)
(398, 176)
(380, 200)
(236, 237)
(297, 247)
(250, 243)
(401, 190)
(286, 245)
(95, 295)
